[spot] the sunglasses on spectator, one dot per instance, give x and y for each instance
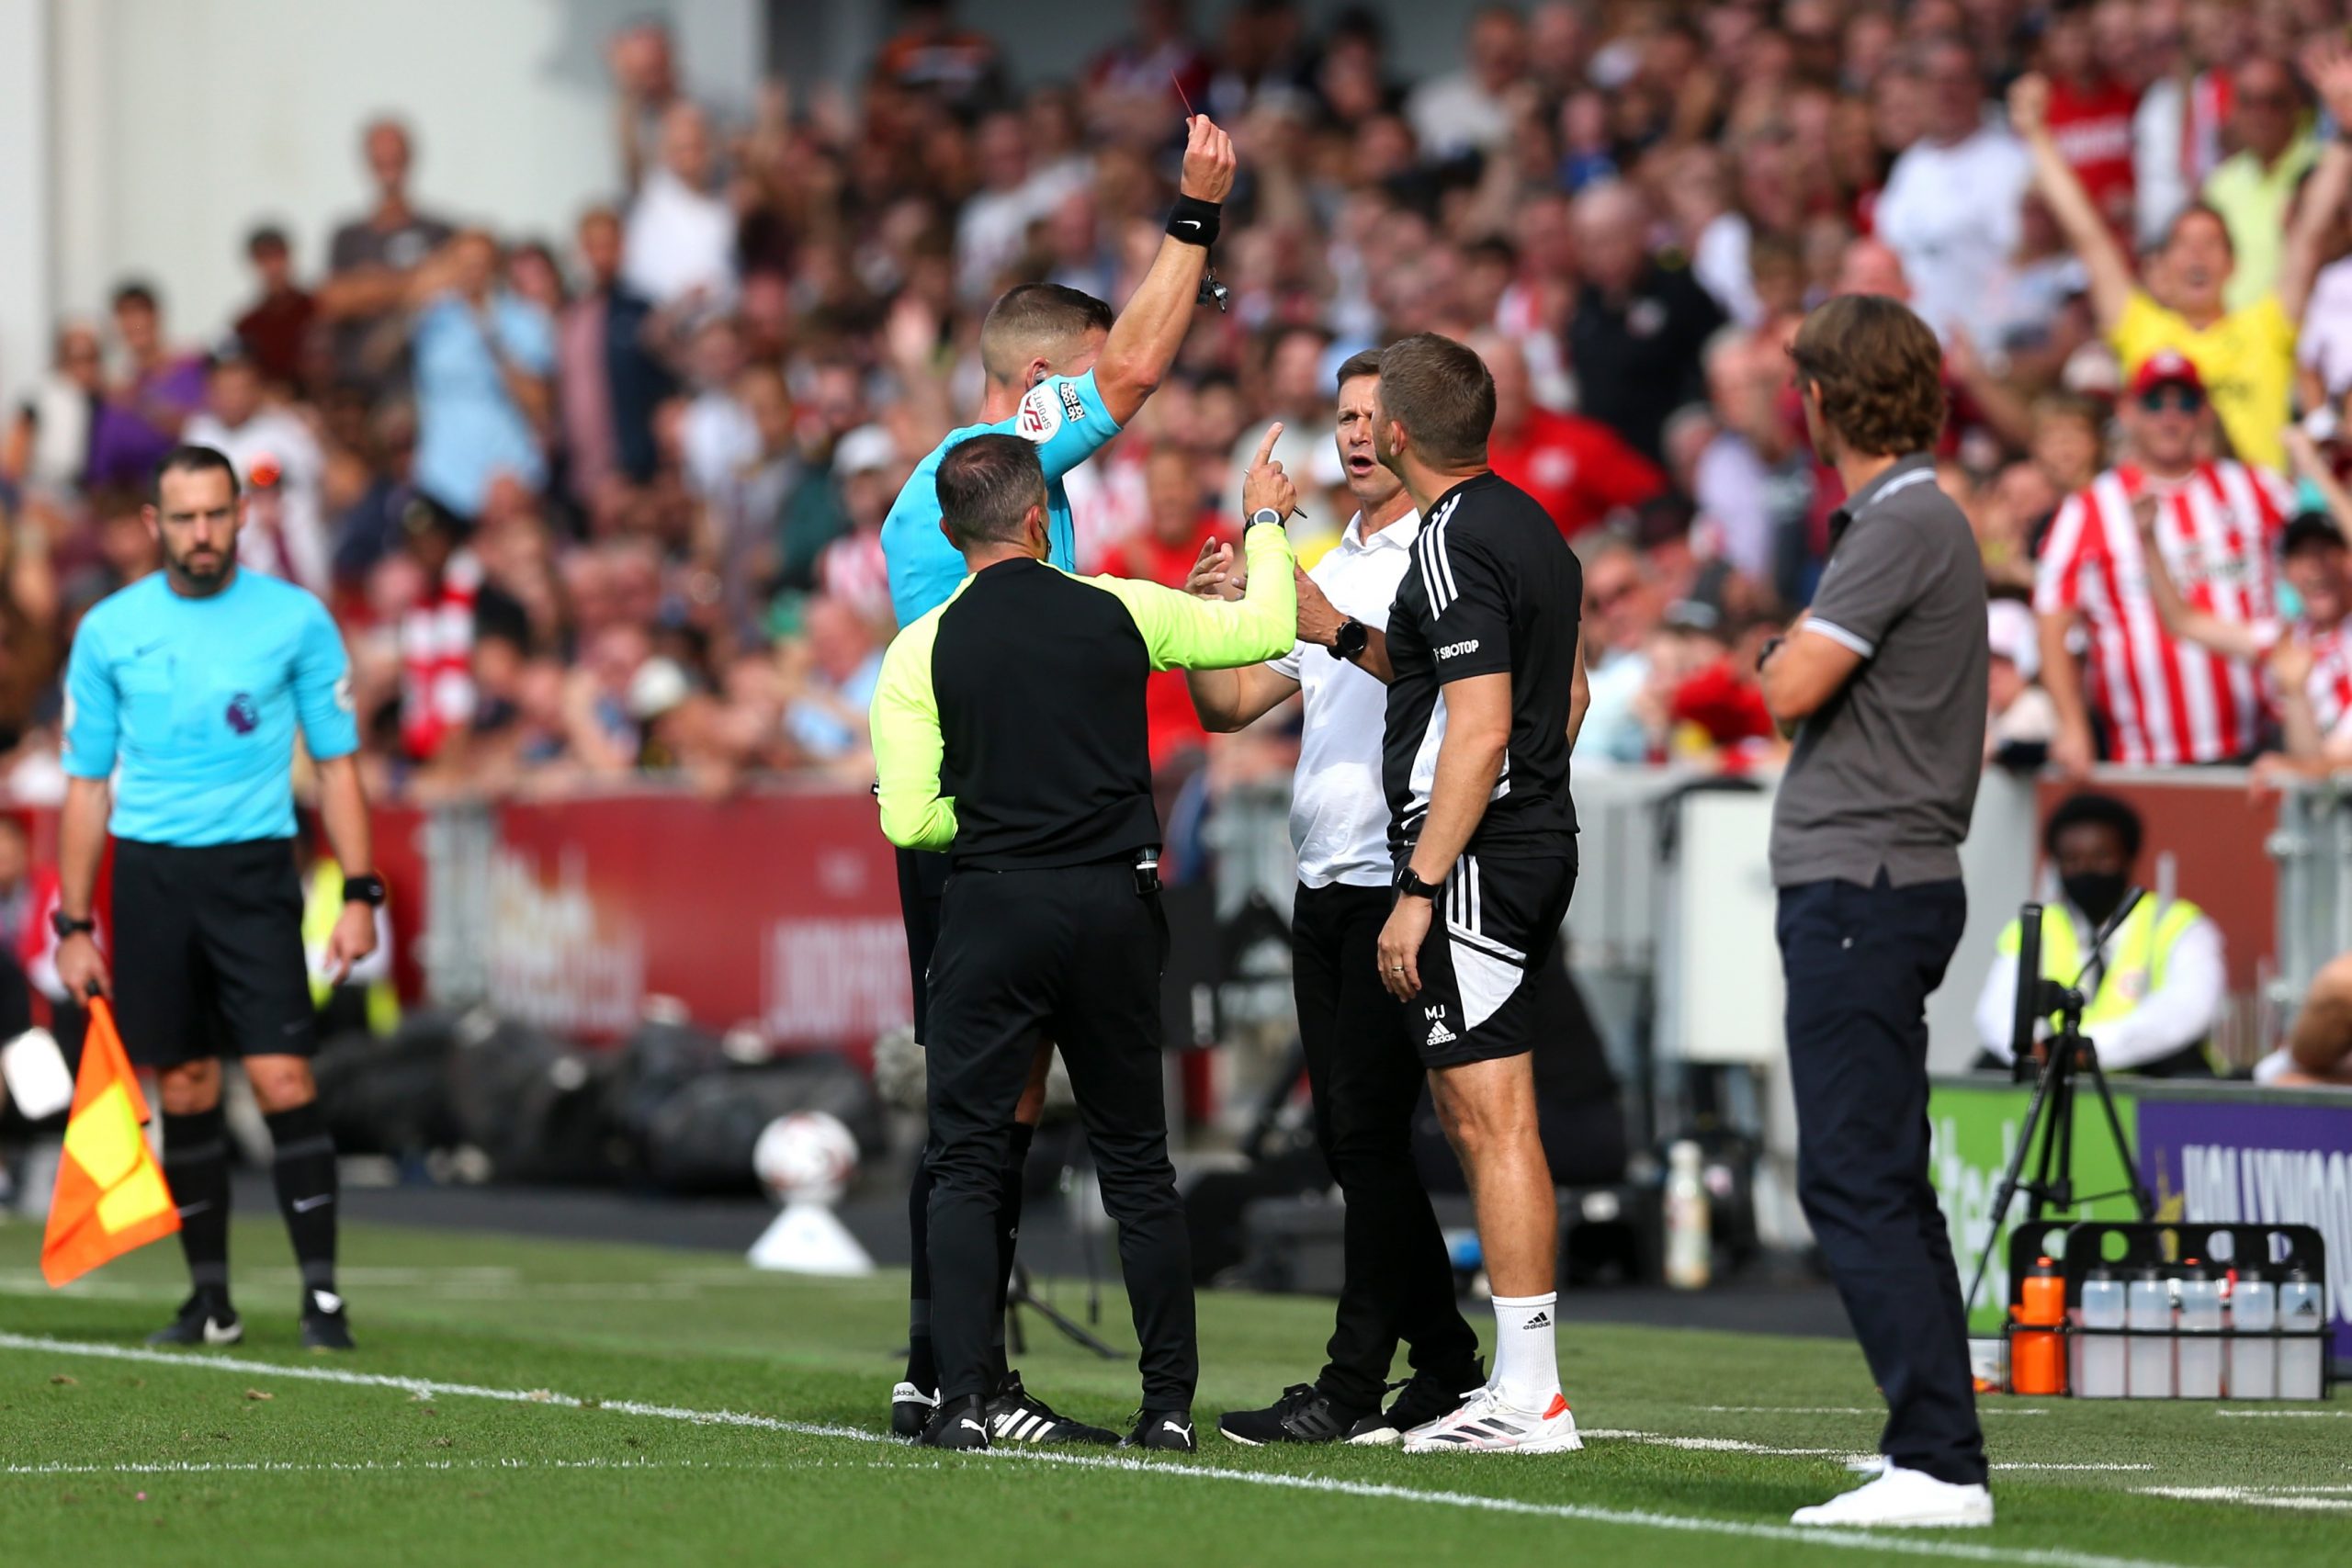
(2177, 399)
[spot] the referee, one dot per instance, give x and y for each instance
(187, 689)
(1009, 730)
(1883, 682)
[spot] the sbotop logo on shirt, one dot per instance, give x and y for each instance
(243, 716)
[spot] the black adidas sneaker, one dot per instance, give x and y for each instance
(1016, 1416)
(324, 1325)
(205, 1319)
(1424, 1398)
(1171, 1431)
(960, 1424)
(910, 1410)
(1303, 1414)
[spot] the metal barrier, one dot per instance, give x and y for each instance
(2312, 848)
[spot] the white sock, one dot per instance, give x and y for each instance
(1527, 1368)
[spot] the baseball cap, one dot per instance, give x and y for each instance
(2166, 368)
(2312, 527)
(2012, 634)
(658, 686)
(867, 449)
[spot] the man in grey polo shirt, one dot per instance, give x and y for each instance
(1882, 683)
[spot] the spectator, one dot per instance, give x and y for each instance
(1298, 393)
(994, 226)
(1183, 525)
(2159, 980)
(279, 462)
(715, 433)
(829, 681)
(851, 571)
(48, 446)
(369, 264)
(1158, 64)
(2090, 111)
(1466, 110)
(2020, 721)
(746, 511)
(483, 362)
(2176, 131)
(1639, 327)
(645, 79)
(2246, 356)
(931, 54)
(1621, 621)
(1950, 208)
(608, 379)
(679, 247)
(2218, 522)
(144, 413)
(276, 328)
(1579, 468)
(2254, 185)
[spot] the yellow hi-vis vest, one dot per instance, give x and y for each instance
(2137, 955)
(321, 910)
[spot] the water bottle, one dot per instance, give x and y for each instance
(2148, 1314)
(2199, 1372)
(2034, 1358)
(2303, 1317)
(2254, 1357)
(1688, 1248)
(2098, 1358)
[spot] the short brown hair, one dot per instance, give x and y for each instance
(1366, 363)
(1879, 371)
(1037, 321)
(987, 486)
(1443, 394)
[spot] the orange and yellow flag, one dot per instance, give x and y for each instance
(110, 1195)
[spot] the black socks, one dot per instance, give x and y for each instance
(304, 1166)
(196, 1168)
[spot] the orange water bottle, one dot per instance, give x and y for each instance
(2036, 1362)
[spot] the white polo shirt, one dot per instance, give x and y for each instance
(1339, 813)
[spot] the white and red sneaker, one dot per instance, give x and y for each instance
(1487, 1424)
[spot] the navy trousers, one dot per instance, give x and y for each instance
(1861, 963)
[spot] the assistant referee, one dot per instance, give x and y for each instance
(1008, 730)
(187, 689)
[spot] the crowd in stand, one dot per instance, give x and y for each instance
(608, 504)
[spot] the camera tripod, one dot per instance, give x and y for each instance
(2050, 1112)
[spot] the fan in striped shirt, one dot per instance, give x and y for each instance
(2309, 661)
(2213, 524)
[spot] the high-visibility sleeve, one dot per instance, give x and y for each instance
(1186, 632)
(907, 745)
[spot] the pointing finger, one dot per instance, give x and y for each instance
(1266, 447)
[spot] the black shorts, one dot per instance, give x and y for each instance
(922, 874)
(208, 953)
(1497, 919)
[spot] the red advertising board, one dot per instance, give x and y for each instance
(777, 912)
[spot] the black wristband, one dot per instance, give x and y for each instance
(369, 890)
(1194, 221)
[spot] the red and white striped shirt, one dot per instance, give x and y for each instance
(2166, 701)
(437, 659)
(2330, 685)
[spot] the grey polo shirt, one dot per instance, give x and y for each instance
(1883, 776)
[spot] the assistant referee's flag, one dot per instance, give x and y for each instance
(110, 1195)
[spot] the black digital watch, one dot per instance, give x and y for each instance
(1411, 886)
(1350, 642)
(369, 890)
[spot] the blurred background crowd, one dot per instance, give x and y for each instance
(607, 503)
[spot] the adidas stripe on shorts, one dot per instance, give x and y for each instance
(1496, 917)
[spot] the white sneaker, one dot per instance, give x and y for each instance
(1486, 1424)
(1903, 1497)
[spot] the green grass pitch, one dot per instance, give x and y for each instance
(569, 1404)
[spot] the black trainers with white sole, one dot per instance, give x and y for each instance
(1424, 1397)
(1169, 1431)
(205, 1319)
(960, 1424)
(1016, 1416)
(1303, 1414)
(325, 1325)
(910, 1410)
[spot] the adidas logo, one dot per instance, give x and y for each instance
(1540, 1320)
(1440, 1034)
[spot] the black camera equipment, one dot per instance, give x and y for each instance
(2050, 1112)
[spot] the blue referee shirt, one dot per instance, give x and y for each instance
(196, 701)
(1065, 416)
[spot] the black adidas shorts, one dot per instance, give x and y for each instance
(922, 877)
(207, 955)
(1497, 919)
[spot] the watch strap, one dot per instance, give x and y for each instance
(368, 889)
(1412, 886)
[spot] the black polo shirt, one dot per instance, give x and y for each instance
(1637, 359)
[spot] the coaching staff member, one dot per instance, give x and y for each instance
(1364, 1061)
(1483, 655)
(1882, 682)
(187, 689)
(1009, 730)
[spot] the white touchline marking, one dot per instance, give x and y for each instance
(1837, 1410)
(2027, 1465)
(310, 1467)
(2252, 1496)
(1851, 1539)
(2289, 1414)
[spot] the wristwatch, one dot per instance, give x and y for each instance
(1411, 886)
(1350, 642)
(65, 925)
(1265, 515)
(367, 890)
